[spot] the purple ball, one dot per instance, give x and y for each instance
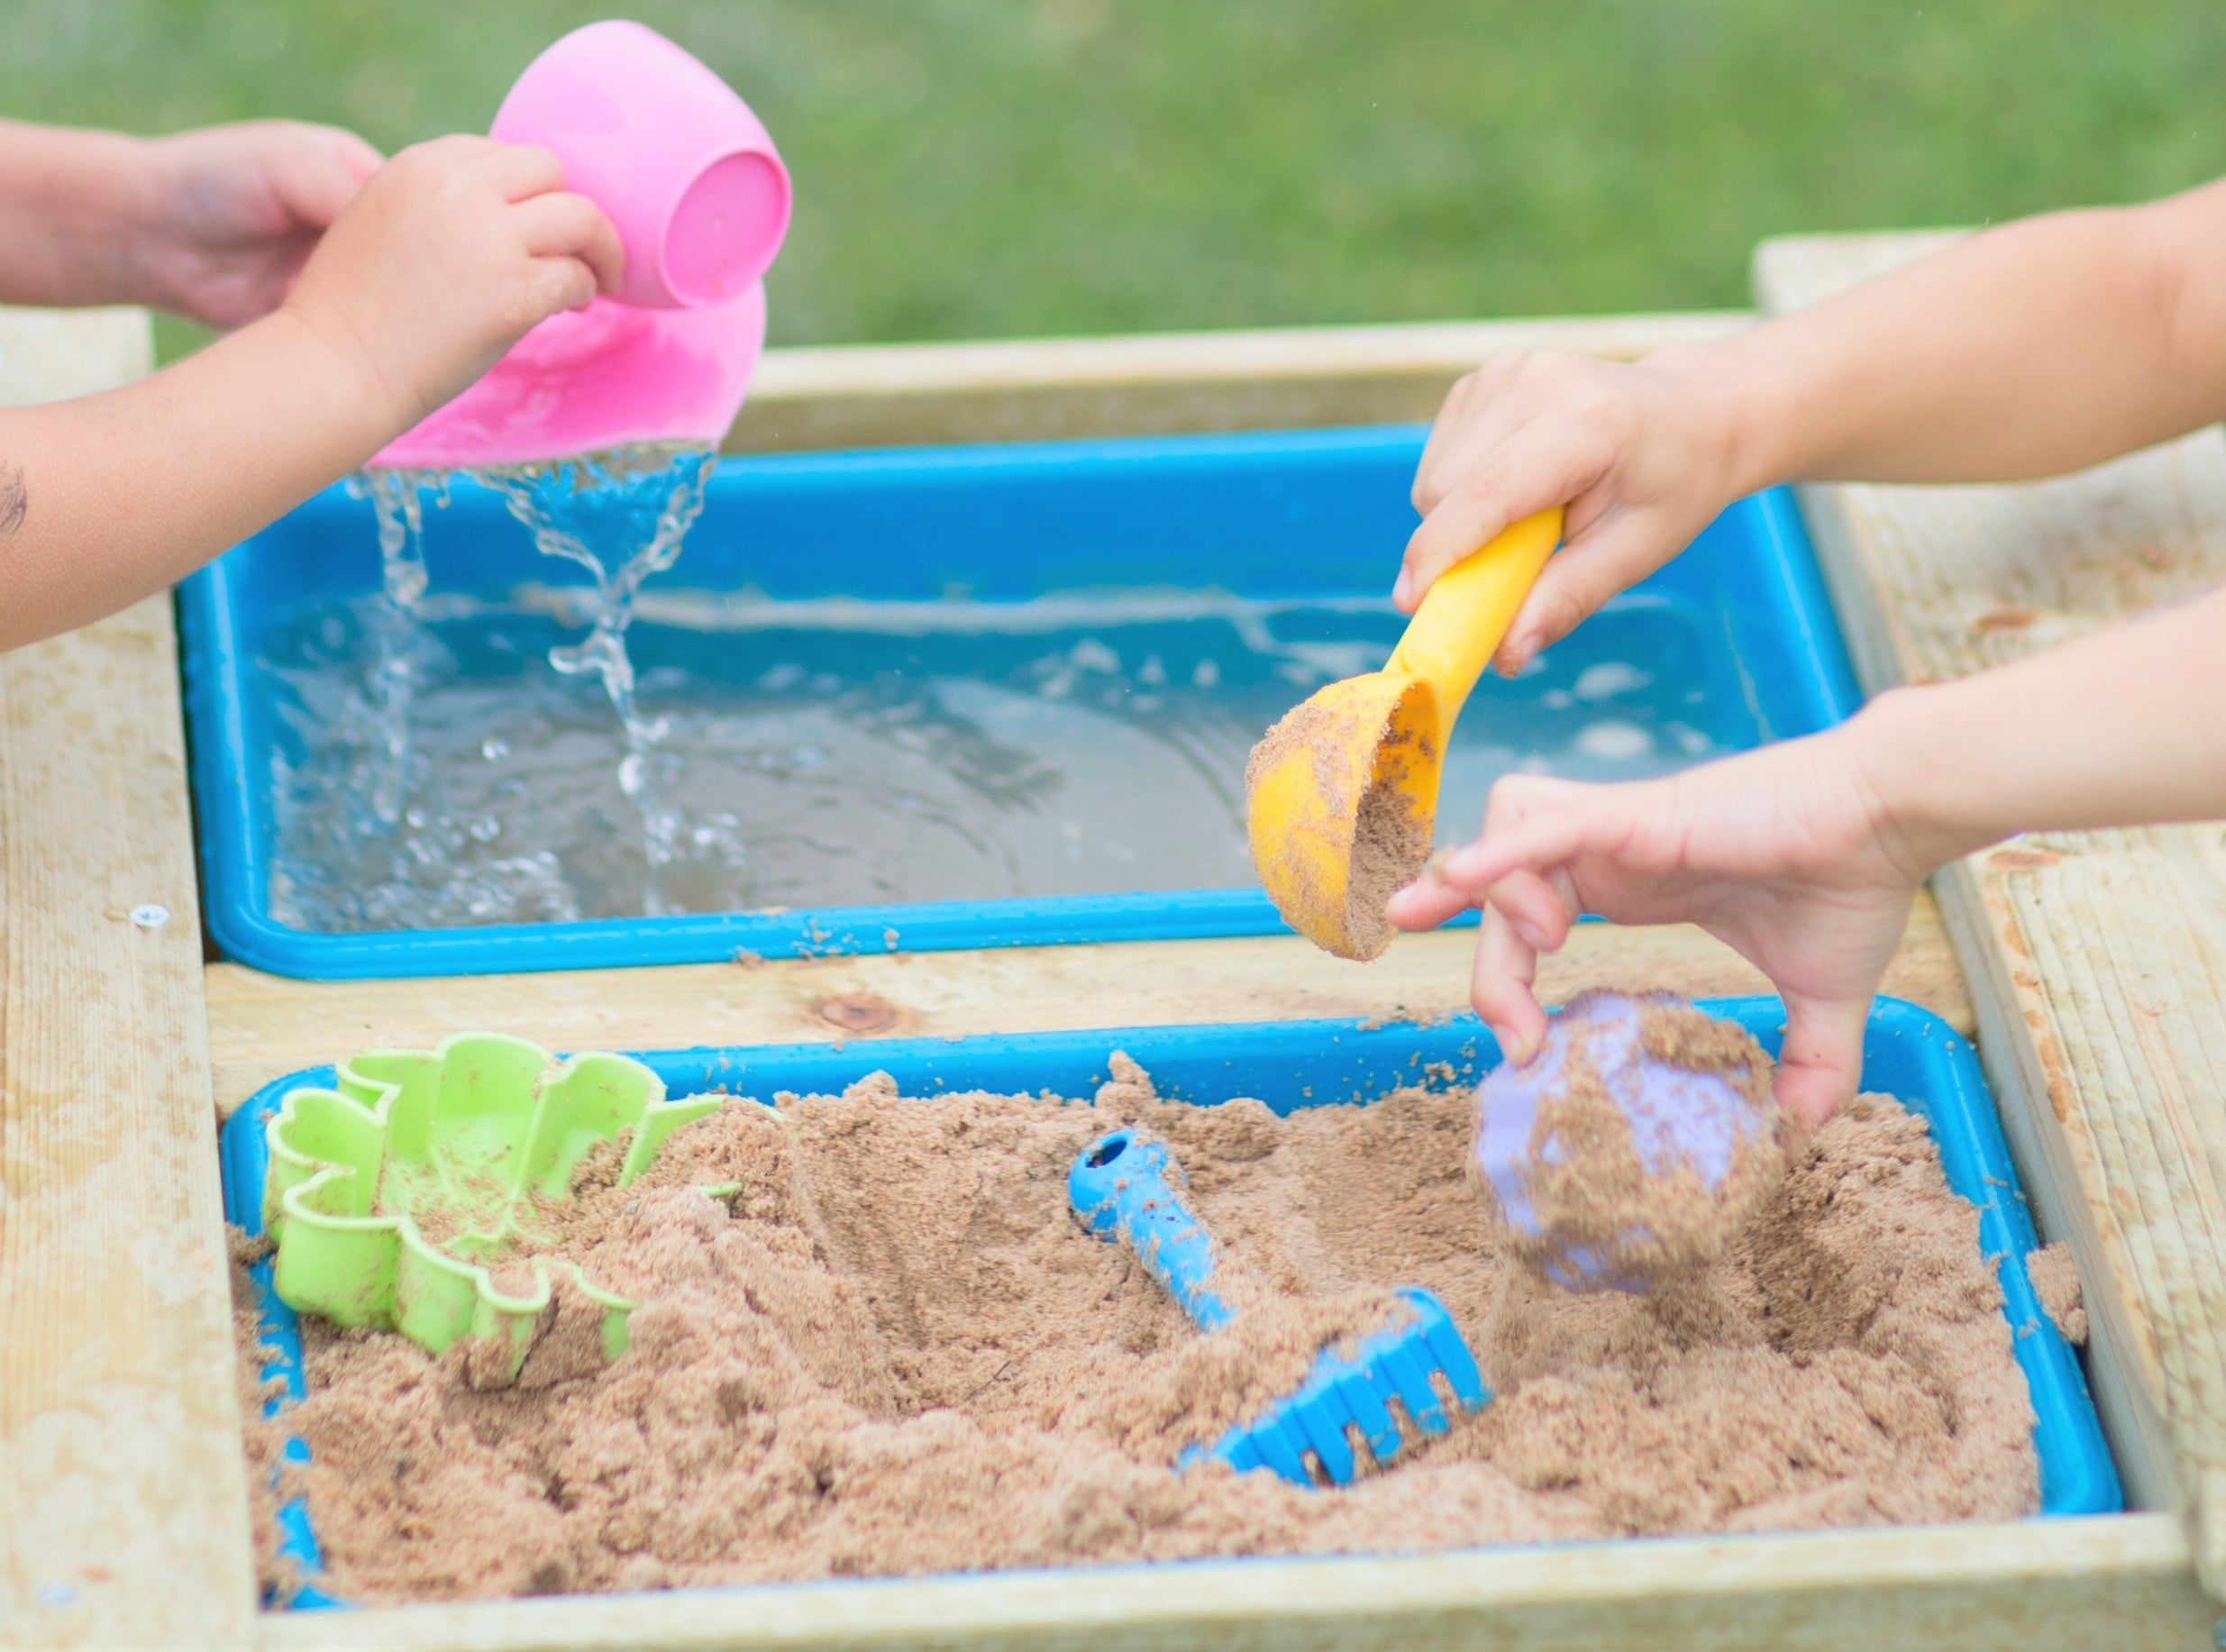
(1701, 1142)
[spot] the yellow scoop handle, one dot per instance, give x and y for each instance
(1380, 736)
(1468, 610)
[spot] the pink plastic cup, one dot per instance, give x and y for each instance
(687, 174)
(692, 183)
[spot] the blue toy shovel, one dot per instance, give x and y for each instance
(1120, 1186)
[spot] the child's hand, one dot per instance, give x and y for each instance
(1786, 853)
(228, 214)
(453, 249)
(1642, 454)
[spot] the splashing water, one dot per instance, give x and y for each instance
(398, 627)
(835, 750)
(623, 515)
(643, 499)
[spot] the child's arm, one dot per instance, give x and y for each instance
(213, 224)
(2028, 350)
(448, 255)
(1804, 855)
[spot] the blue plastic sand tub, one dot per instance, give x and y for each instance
(1273, 553)
(1908, 1051)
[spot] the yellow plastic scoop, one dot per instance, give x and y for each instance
(1341, 796)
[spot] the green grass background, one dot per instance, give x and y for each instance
(979, 168)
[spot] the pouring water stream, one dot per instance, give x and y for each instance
(623, 515)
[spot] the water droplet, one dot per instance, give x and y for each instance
(1611, 740)
(1606, 679)
(494, 748)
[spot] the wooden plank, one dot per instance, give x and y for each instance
(1033, 389)
(264, 1027)
(46, 355)
(2099, 958)
(2104, 1584)
(123, 1490)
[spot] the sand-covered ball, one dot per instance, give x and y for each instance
(1634, 1146)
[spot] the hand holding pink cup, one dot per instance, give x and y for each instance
(685, 172)
(691, 181)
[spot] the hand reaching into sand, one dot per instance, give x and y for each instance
(1803, 856)
(1783, 853)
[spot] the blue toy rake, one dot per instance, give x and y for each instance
(1121, 1185)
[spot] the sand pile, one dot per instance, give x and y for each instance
(264, 1437)
(896, 1352)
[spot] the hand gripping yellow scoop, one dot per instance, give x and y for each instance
(1341, 796)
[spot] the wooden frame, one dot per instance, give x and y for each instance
(1038, 389)
(121, 1484)
(158, 1551)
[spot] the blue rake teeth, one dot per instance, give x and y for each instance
(1124, 1186)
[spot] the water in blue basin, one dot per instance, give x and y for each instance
(821, 753)
(909, 698)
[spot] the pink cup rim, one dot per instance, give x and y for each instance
(763, 255)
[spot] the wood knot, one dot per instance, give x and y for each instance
(857, 1012)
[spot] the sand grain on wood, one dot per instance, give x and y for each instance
(897, 1352)
(2055, 1282)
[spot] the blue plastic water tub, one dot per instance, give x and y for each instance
(1908, 1051)
(1741, 634)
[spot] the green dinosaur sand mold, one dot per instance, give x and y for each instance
(389, 1193)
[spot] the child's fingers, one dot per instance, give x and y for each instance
(1477, 418)
(356, 155)
(1537, 844)
(561, 284)
(1532, 910)
(1821, 1063)
(1499, 987)
(1608, 557)
(457, 148)
(316, 170)
(1427, 902)
(1448, 432)
(1538, 467)
(521, 171)
(564, 225)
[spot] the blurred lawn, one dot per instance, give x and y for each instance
(975, 167)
